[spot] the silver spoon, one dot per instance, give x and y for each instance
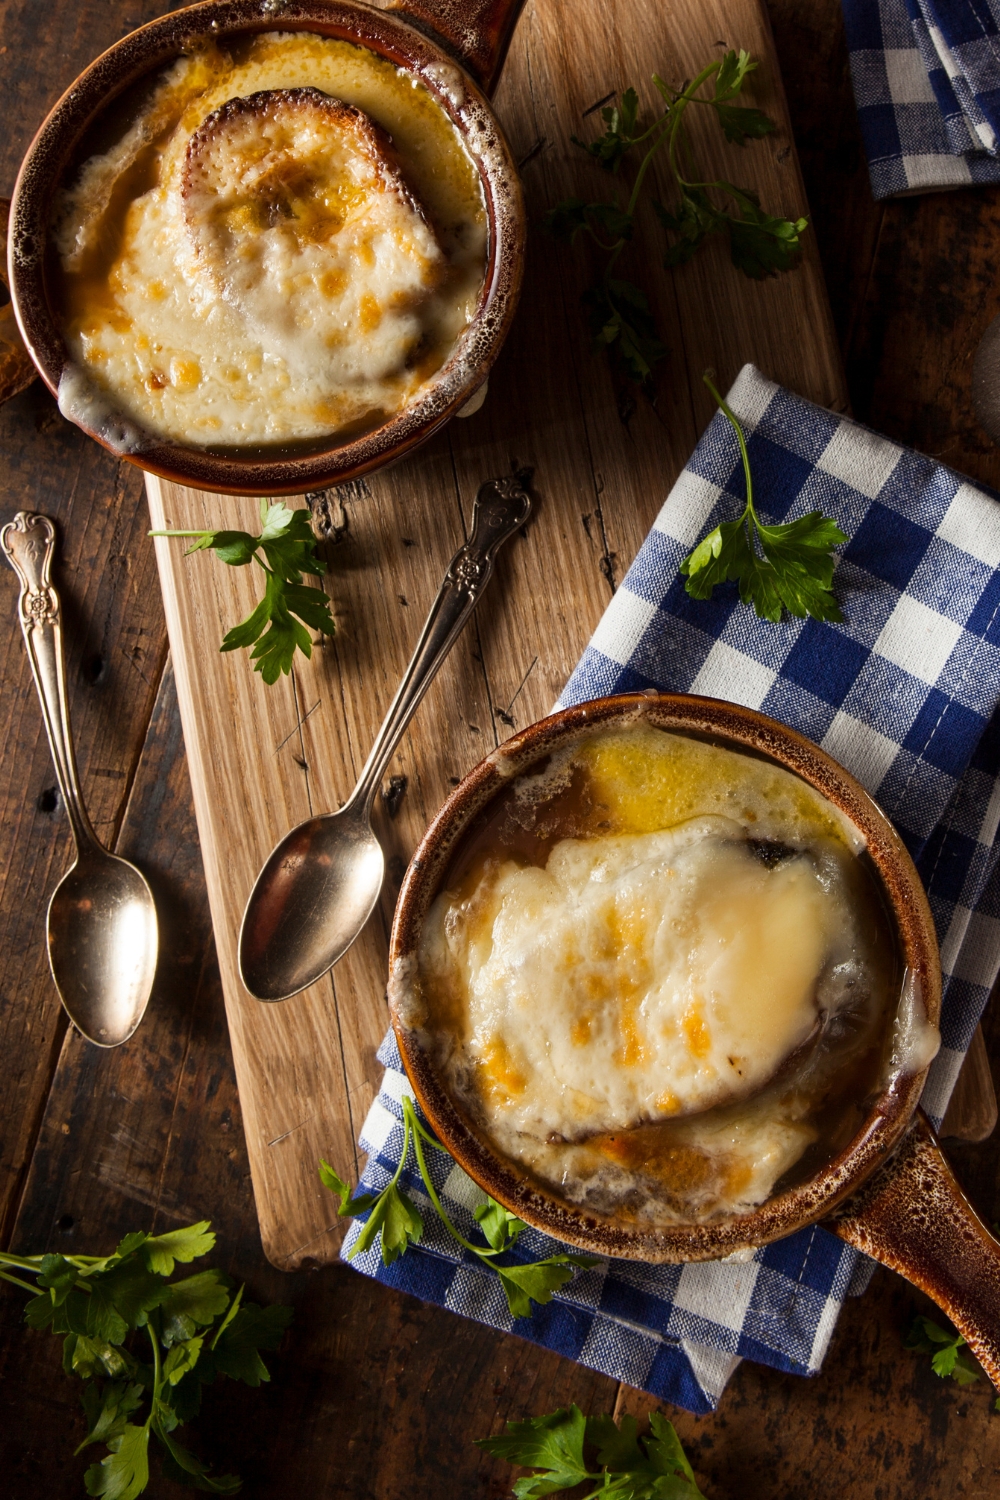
(102, 921)
(320, 884)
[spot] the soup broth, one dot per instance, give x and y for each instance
(660, 977)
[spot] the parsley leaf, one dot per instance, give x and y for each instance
(621, 322)
(349, 1206)
(277, 627)
(695, 220)
(182, 1358)
(619, 133)
(740, 124)
(553, 1444)
(664, 1452)
(120, 1299)
(162, 1251)
(396, 1218)
(88, 1357)
(194, 1329)
(777, 568)
(654, 1467)
(183, 1466)
(617, 1444)
(536, 1282)
(195, 1302)
(59, 1275)
(760, 244)
(232, 1349)
(107, 1411)
(732, 70)
(236, 1350)
(927, 1337)
(498, 1224)
(124, 1474)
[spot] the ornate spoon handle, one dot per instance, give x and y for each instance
(28, 543)
(502, 507)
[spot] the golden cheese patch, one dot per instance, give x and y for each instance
(639, 976)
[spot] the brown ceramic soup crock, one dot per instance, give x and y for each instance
(889, 1191)
(455, 51)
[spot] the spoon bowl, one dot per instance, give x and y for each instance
(102, 934)
(310, 901)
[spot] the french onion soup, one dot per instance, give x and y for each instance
(284, 241)
(661, 978)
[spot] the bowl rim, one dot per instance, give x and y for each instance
(740, 728)
(151, 47)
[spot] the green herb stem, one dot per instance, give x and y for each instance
(633, 202)
(410, 1118)
(675, 113)
(666, 127)
(406, 1147)
(23, 1262)
(157, 1373)
(16, 1281)
(744, 455)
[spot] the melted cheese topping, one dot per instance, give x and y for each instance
(639, 977)
(283, 245)
(650, 1016)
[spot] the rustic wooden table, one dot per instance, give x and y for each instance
(375, 1394)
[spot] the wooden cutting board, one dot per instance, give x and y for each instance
(262, 759)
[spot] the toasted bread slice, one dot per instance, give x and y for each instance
(299, 214)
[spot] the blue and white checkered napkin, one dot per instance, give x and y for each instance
(904, 693)
(926, 79)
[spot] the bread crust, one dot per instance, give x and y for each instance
(225, 169)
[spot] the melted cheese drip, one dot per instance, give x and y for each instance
(636, 978)
(297, 338)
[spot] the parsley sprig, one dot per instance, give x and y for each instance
(777, 567)
(654, 1467)
(196, 1329)
(760, 244)
(394, 1215)
(288, 606)
(947, 1348)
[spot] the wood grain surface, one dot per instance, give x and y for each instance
(262, 761)
(376, 1396)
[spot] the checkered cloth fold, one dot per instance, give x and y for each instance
(905, 694)
(926, 77)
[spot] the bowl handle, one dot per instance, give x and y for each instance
(476, 32)
(912, 1216)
